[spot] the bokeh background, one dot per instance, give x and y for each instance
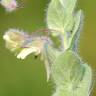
(28, 77)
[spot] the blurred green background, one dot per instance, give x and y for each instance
(28, 77)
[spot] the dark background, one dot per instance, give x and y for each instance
(28, 77)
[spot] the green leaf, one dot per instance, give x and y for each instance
(49, 55)
(59, 14)
(60, 17)
(76, 32)
(69, 70)
(68, 5)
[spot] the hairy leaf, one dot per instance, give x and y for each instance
(75, 36)
(68, 71)
(60, 15)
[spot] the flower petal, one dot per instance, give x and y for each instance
(26, 51)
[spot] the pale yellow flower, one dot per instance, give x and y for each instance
(14, 39)
(26, 44)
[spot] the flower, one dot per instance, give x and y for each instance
(14, 39)
(23, 43)
(25, 52)
(9, 5)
